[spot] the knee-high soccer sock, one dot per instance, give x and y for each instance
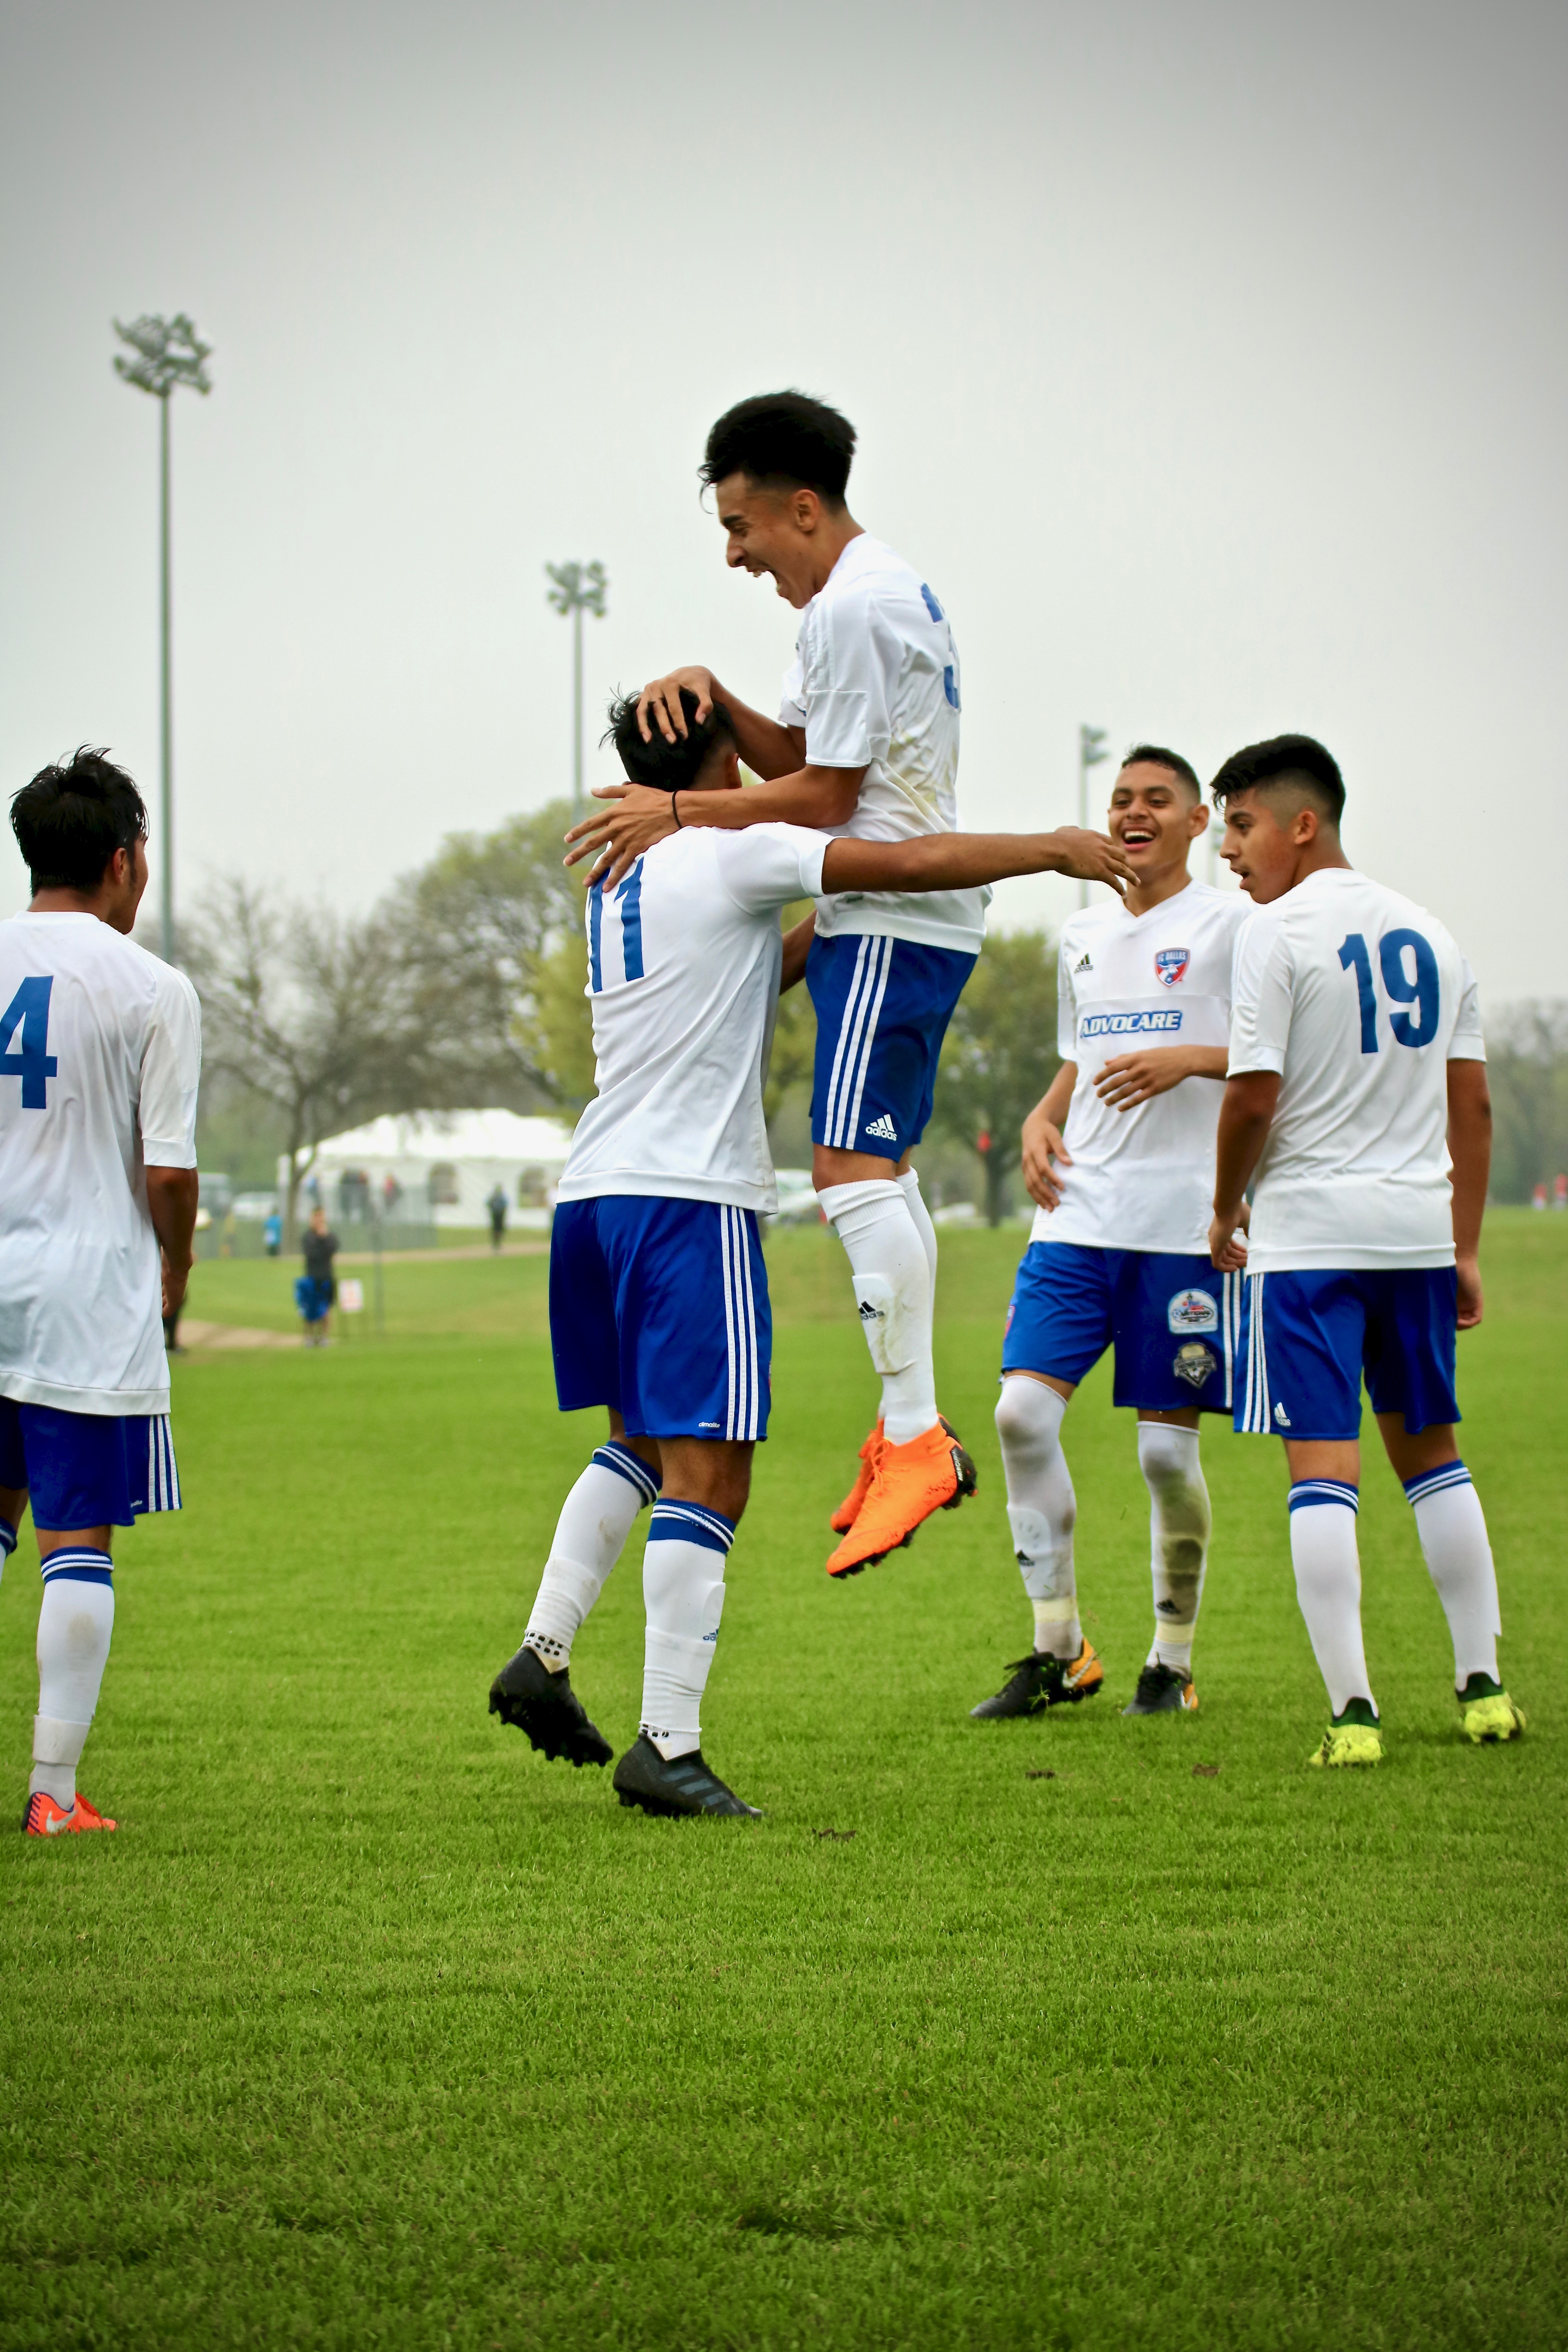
(909, 1184)
(1041, 1509)
(74, 1628)
(1179, 1525)
(1327, 1584)
(892, 1291)
(683, 1592)
(595, 1520)
(1453, 1532)
(8, 1543)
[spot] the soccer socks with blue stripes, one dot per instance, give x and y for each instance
(1327, 1584)
(1180, 1522)
(683, 1592)
(1452, 1528)
(75, 1623)
(1042, 1509)
(8, 1543)
(893, 1295)
(595, 1520)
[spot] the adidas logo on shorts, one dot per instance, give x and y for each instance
(884, 1128)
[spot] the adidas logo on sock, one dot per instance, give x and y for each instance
(884, 1127)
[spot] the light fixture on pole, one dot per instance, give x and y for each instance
(579, 588)
(169, 352)
(1091, 751)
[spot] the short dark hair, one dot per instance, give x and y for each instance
(667, 767)
(71, 818)
(1295, 764)
(1154, 755)
(782, 438)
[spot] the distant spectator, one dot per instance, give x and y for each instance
(1538, 1198)
(1560, 1192)
(272, 1233)
(497, 1206)
(391, 1193)
(316, 1289)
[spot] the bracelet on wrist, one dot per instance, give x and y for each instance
(675, 809)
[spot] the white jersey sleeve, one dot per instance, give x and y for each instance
(1467, 1044)
(171, 1074)
(1261, 998)
(791, 700)
(1067, 1008)
(768, 864)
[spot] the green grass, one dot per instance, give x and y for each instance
(369, 2027)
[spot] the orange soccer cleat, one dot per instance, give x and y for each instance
(44, 1818)
(933, 1473)
(848, 1510)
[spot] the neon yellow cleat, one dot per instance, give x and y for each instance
(1494, 1717)
(1348, 1743)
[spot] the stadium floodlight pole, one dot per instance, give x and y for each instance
(1091, 751)
(169, 352)
(579, 588)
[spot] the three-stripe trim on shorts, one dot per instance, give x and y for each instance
(743, 1408)
(162, 1473)
(857, 1036)
(1257, 1407)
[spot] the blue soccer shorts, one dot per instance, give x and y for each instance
(882, 1008)
(1307, 1338)
(1173, 1320)
(659, 1308)
(88, 1469)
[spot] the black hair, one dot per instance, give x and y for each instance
(667, 767)
(71, 818)
(782, 438)
(1154, 755)
(1294, 762)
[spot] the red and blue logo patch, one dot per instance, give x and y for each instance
(1170, 964)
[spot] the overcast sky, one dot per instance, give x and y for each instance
(1208, 361)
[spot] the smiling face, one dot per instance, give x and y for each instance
(780, 534)
(1155, 819)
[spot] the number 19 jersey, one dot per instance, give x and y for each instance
(100, 1062)
(1359, 999)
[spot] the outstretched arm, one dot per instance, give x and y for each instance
(637, 815)
(960, 861)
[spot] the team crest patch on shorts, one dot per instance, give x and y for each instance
(1194, 1363)
(1171, 964)
(1191, 1310)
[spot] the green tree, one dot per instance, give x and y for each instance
(1000, 1054)
(1527, 1067)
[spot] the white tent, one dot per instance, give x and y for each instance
(444, 1165)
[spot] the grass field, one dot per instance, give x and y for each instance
(370, 2027)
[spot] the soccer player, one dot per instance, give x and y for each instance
(866, 744)
(1118, 1155)
(1357, 1100)
(659, 1296)
(100, 1061)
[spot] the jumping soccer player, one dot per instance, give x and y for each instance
(1118, 1154)
(866, 744)
(1358, 1093)
(100, 1062)
(659, 1296)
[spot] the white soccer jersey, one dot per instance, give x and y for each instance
(874, 685)
(100, 1056)
(1142, 1179)
(1359, 1000)
(683, 977)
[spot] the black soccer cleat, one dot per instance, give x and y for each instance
(547, 1710)
(1040, 1681)
(1162, 1690)
(644, 1778)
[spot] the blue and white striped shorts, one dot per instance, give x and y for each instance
(882, 1009)
(88, 1469)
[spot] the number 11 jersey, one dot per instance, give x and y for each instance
(1359, 999)
(100, 1061)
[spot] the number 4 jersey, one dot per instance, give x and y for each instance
(1359, 1000)
(100, 1059)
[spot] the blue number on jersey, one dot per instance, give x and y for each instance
(29, 1008)
(933, 607)
(1422, 990)
(629, 895)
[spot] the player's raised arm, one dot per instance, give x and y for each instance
(637, 815)
(963, 861)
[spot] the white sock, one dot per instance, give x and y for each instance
(892, 1291)
(1179, 1525)
(683, 1592)
(1327, 1584)
(595, 1520)
(75, 1623)
(909, 1184)
(1453, 1532)
(1041, 1509)
(8, 1543)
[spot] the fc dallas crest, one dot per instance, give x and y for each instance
(1171, 964)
